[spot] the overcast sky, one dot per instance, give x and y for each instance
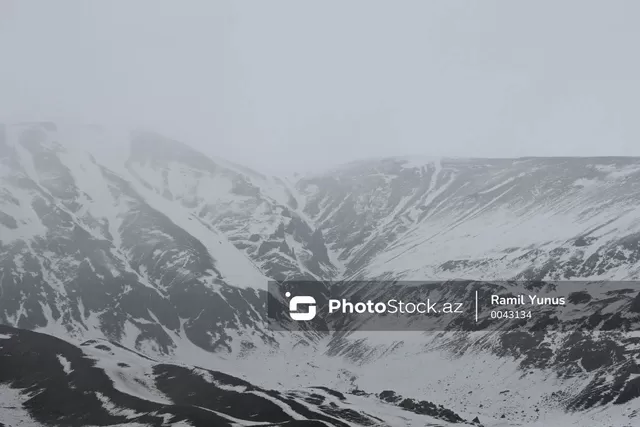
(305, 84)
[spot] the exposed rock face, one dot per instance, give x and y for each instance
(55, 383)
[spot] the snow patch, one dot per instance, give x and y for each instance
(66, 365)
(12, 411)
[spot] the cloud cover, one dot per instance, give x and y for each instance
(290, 85)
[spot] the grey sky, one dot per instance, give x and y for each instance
(305, 84)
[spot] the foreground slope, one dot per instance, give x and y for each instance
(47, 381)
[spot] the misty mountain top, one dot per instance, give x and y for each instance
(115, 143)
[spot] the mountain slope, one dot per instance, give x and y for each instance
(88, 250)
(534, 218)
(257, 213)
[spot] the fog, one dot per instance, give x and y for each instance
(301, 85)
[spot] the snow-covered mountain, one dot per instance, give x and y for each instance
(144, 246)
(533, 218)
(140, 240)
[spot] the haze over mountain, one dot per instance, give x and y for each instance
(135, 259)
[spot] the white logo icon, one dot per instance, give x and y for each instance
(296, 301)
